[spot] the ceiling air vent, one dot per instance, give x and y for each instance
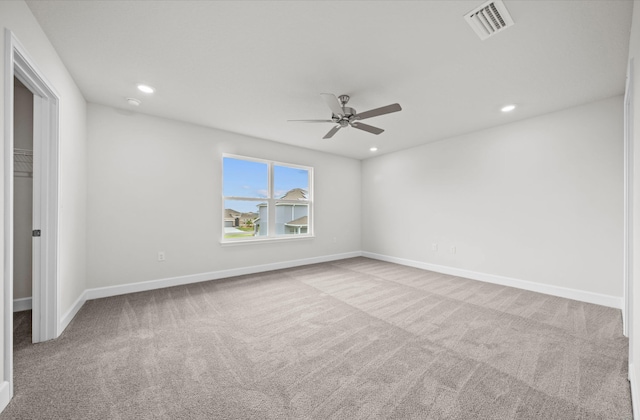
(489, 19)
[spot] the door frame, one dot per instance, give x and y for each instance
(19, 64)
(627, 310)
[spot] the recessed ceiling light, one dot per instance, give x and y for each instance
(146, 88)
(508, 108)
(374, 149)
(133, 101)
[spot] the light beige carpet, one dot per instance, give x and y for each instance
(352, 339)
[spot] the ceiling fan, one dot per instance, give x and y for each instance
(345, 116)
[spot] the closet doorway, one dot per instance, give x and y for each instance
(22, 206)
(44, 161)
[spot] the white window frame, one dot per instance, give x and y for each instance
(271, 201)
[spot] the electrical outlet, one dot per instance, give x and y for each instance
(335, 240)
(434, 247)
(453, 249)
(161, 256)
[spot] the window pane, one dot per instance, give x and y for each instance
(244, 178)
(263, 199)
(244, 219)
(290, 183)
(292, 219)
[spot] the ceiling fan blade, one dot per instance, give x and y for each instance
(331, 132)
(333, 103)
(366, 127)
(379, 111)
(312, 121)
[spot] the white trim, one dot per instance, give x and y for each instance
(564, 292)
(18, 64)
(45, 187)
(5, 395)
(635, 398)
(7, 315)
(66, 319)
(627, 311)
(259, 240)
(143, 286)
(22, 304)
(102, 292)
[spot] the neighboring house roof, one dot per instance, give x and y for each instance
(301, 221)
(230, 214)
(295, 194)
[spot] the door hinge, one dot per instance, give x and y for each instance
(35, 233)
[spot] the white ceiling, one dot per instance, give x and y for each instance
(249, 66)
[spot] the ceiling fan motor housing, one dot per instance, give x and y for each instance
(348, 111)
(349, 115)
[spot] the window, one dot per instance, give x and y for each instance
(265, 200)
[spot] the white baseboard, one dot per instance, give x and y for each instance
(5, 395)
(22, 304)
(564, 292)
(143, 286)
(68, 316)
(635, 398)
(102, 292)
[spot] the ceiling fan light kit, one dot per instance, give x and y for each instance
(346, 116)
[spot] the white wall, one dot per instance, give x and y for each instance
(538, 200)
(22, 195)
(155, 185)
(16, 16)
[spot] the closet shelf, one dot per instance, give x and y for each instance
(23, 162)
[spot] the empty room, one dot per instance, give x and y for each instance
(320, 209)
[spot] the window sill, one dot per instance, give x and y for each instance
(267, 240)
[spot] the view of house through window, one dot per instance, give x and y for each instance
(264, 199)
